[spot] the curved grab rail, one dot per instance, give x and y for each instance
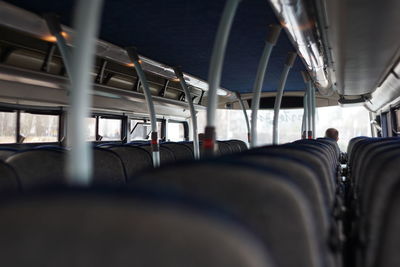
(193, 115)
(215, 71)
(262, 67)
(155, 147)
(278, 99)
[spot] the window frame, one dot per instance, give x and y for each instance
(185, 128)
(124, 127)
(33, 111)
(161, 134)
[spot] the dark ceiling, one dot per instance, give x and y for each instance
(181, 32)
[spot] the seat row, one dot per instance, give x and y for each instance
(112, 163)
(374, 190)
(270, 206)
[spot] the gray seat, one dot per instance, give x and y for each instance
(387, 254)
(379, 182)
(273, 207)
(89, 229)
(108, 167)
(303, 176)
(8, 179)
(223, 148)
(38, 167)
(181, 151)
(6, 152)
(239, 143)
(135, 158)
(166, 155)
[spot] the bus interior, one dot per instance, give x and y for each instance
(241, 133)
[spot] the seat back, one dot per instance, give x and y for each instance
(9, 181)
(180, 151)
(263, 199)
(108, 167)
(166, 154)
(98, 229)
(242, 145)
(37, 167)
(134, 158)
(6, 152)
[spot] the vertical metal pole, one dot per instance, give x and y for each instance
(309, 113)
(246, 118)
(262, 67)
(86, 22)
(305, 117)
(371, 120)
(193, 115)
(214, 73)
(313, 112)
(279, 93)
(155, 147)
(54, 25)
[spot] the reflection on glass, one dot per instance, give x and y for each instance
(8, 127)
(38, 128)
(110, 129)
(91, 129)
(350, 122)
(141, 130)
(175, 131)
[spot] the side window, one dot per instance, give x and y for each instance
(8, 127)
(397, 118)
(141, 129)
(91, 129)
(110, 129)
(175, 131)
(38, 128)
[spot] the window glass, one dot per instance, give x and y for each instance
(141, 130)
(91, 129)
(349, 121)
(8, 127)
(38, 128)
(231, 125)
(110, 129)
(397, 113)
(175, 131)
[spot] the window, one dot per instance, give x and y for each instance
(141, 130)
(110, 129)
(38, 128)
(349, 121)
(175, 131)
(91, 129)
(231, 125)
(8, 127)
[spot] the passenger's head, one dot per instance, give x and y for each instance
(332, 133)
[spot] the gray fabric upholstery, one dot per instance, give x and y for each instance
(376, 201)
(166, 155)
(387, 254)
(272, 206)
(181, 151)
(39, 167)
(223, 148)
(5, 153)
(318, 165)
(307, 182)
(242, 145)
(94, 230)
(135, 158)
(8, 178)
(108, 167)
